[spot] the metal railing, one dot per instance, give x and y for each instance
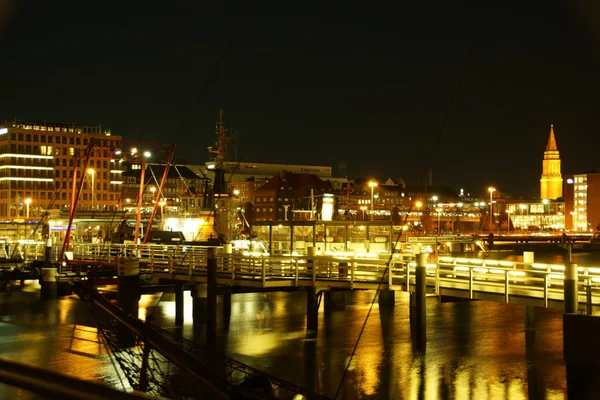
(464, 277)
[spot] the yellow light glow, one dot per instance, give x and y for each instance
(5, 155)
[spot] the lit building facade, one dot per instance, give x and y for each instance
(551, 182)
(582, 202)
(36, 168)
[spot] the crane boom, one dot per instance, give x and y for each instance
(75, 195)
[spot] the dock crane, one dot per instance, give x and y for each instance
(76, 192)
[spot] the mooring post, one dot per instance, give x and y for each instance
(128, 284)
(199, 304)
(420, 297)
(226, 310)
(571, 288)
(49, 286)
(179, 304)
(128, 294)
(211, 312)
(312, 312)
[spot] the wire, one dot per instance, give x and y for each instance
(428, 165)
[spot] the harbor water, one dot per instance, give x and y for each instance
(474, 350)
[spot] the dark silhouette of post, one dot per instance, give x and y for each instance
(128, 293)
(571, 288)
(179, 304)
(312, 310)
(211, 312)
(420, 299)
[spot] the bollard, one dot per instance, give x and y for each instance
(48, 282)
(211, 303)
(571, 289)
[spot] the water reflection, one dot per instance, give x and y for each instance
(475, 350)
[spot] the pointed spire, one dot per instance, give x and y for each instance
(551, 146)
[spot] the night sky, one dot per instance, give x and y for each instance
(321, 82)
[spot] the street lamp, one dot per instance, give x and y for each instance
(508, 212)
(92, 172)
(491, 190)
(372, 185)
(542, 222)
(363, 208)
(138, 220)
(27, 203)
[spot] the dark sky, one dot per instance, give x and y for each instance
(310, 82)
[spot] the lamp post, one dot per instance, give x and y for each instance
(372, 184)
(92, 172)
(542, 222)
(439, 213)
(138, 220)
(508, 212)
(491, 190)
(27, 203)
(522, 208)
(363, 208)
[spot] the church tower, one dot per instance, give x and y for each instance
(551, 183)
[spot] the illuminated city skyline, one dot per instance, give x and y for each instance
(310, 85)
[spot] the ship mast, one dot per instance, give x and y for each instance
(218, 155)
(221, 199)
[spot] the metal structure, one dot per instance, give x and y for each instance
(161, 363)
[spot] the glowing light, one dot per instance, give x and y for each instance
(25, 156)
(26, 167)
(26, 179)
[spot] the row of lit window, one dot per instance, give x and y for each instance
(20, 137)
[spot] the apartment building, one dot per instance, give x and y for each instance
(37, 162)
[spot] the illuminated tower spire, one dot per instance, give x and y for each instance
(551, 182)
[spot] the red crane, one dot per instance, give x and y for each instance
(158, 192)
(85, 156)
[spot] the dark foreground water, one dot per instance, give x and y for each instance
(475, 350)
